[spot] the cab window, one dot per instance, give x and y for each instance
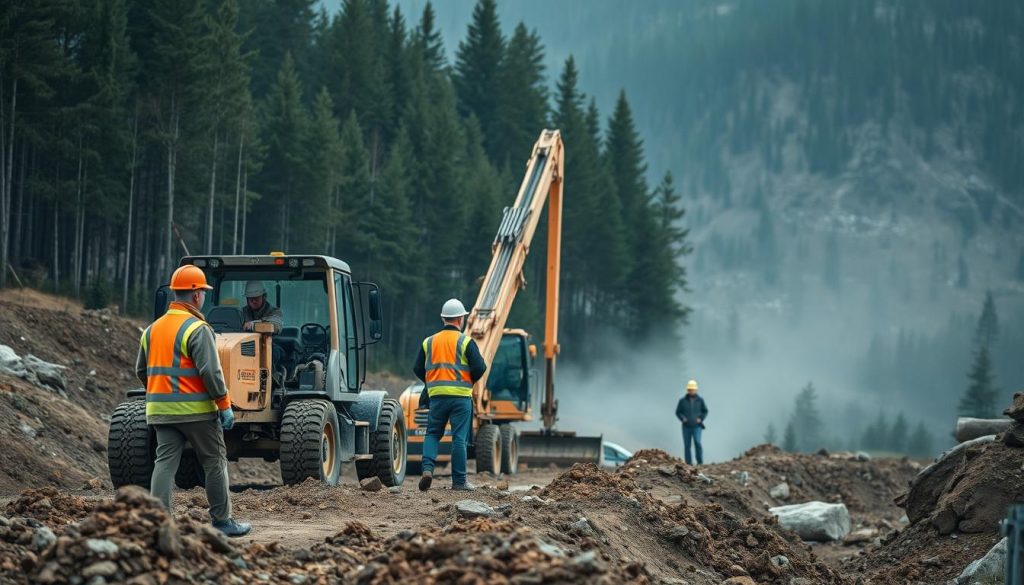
(347, 328)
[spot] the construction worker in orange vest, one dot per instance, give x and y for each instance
(449, 362)
(186, 396)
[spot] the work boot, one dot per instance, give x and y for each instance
(425, 480)
(232, 527)
(464, 487)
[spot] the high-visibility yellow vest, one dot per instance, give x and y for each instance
(446, 364)
(173, 385)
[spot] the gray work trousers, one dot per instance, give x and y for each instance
(207, 440)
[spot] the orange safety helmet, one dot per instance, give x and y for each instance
(189, 277)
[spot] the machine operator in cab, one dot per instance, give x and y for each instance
(449, 363)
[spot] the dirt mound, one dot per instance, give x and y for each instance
(954, 506)
(704, 540)
(50, 505)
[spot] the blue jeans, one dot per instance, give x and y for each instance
(459, 411)
(692, 434)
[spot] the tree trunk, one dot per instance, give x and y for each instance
(245, 205)
(131, 202)
(972, 428)
(171, 163)
(213, 191)
(5, 183)
(238, 189)
(19, 210)
(56, 242)
(76, 257)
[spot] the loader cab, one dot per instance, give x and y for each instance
(328, 318)
(512, 378)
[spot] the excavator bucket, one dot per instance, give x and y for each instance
(537, 448)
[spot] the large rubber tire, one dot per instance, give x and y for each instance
(488, 449)
(388, 446)
(509, 449)
(190, 472)
(310, 445)
(131, 445)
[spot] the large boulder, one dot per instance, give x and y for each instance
(815, 521)
(10, 363)
(988, 569)
(1016, 410)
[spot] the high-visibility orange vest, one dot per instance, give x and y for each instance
(173, 385)
(446, 364)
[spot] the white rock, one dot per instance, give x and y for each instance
(51, 375)
(815, 521)
(473, 509)
(780, 492)
(991, 566)
(10, 363)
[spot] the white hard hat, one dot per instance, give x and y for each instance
(453, 308)
(254, 288)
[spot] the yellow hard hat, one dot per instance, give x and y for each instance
(691, 385)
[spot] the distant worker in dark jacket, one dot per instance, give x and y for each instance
(449, 363)
(692, 412)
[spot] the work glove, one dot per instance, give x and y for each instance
(227, 419)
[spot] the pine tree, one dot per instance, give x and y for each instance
(770, 434)
(789, 437)
(427, 41)
(898, 435)
(478, 75)
(808, 419)
(979, 400)
(523, 102)
(317, 207)
(920, 442)
(285, 173)
(355, 195)
(987, 331)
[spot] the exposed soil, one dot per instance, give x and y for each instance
(654, 520)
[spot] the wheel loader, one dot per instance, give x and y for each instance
(504, 395)
(297, 395)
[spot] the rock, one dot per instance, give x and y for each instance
(168, 540)
(474, 509)
(583, 526)
(742, 580)
(704, 478)
(945, 521)
(549, 549)
(667, 470)
(11, 364)
(93, 484)
(42, 538)
(862, 456)
(990, 566)
(217, 540)
(48, 374)
(297, 579)
(861, 535)
(395, 489)
(815, 521)
(737, 571)
(587, 561)
(1016, 410)
(28, 430)
(823, 452)
(743, 478)
(780, 492)
(672, 500)
(780, 561)
(240, 563)
(1014, 436)
(101, 546)
(800, 581)
(502, 485)
(534, 500)
(371, 484)
(100, 569)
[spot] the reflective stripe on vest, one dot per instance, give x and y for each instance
(173, 384)
(446, 364)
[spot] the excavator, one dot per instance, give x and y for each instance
(504, 395)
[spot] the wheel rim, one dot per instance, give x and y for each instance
(327, 451)
(397, 448)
